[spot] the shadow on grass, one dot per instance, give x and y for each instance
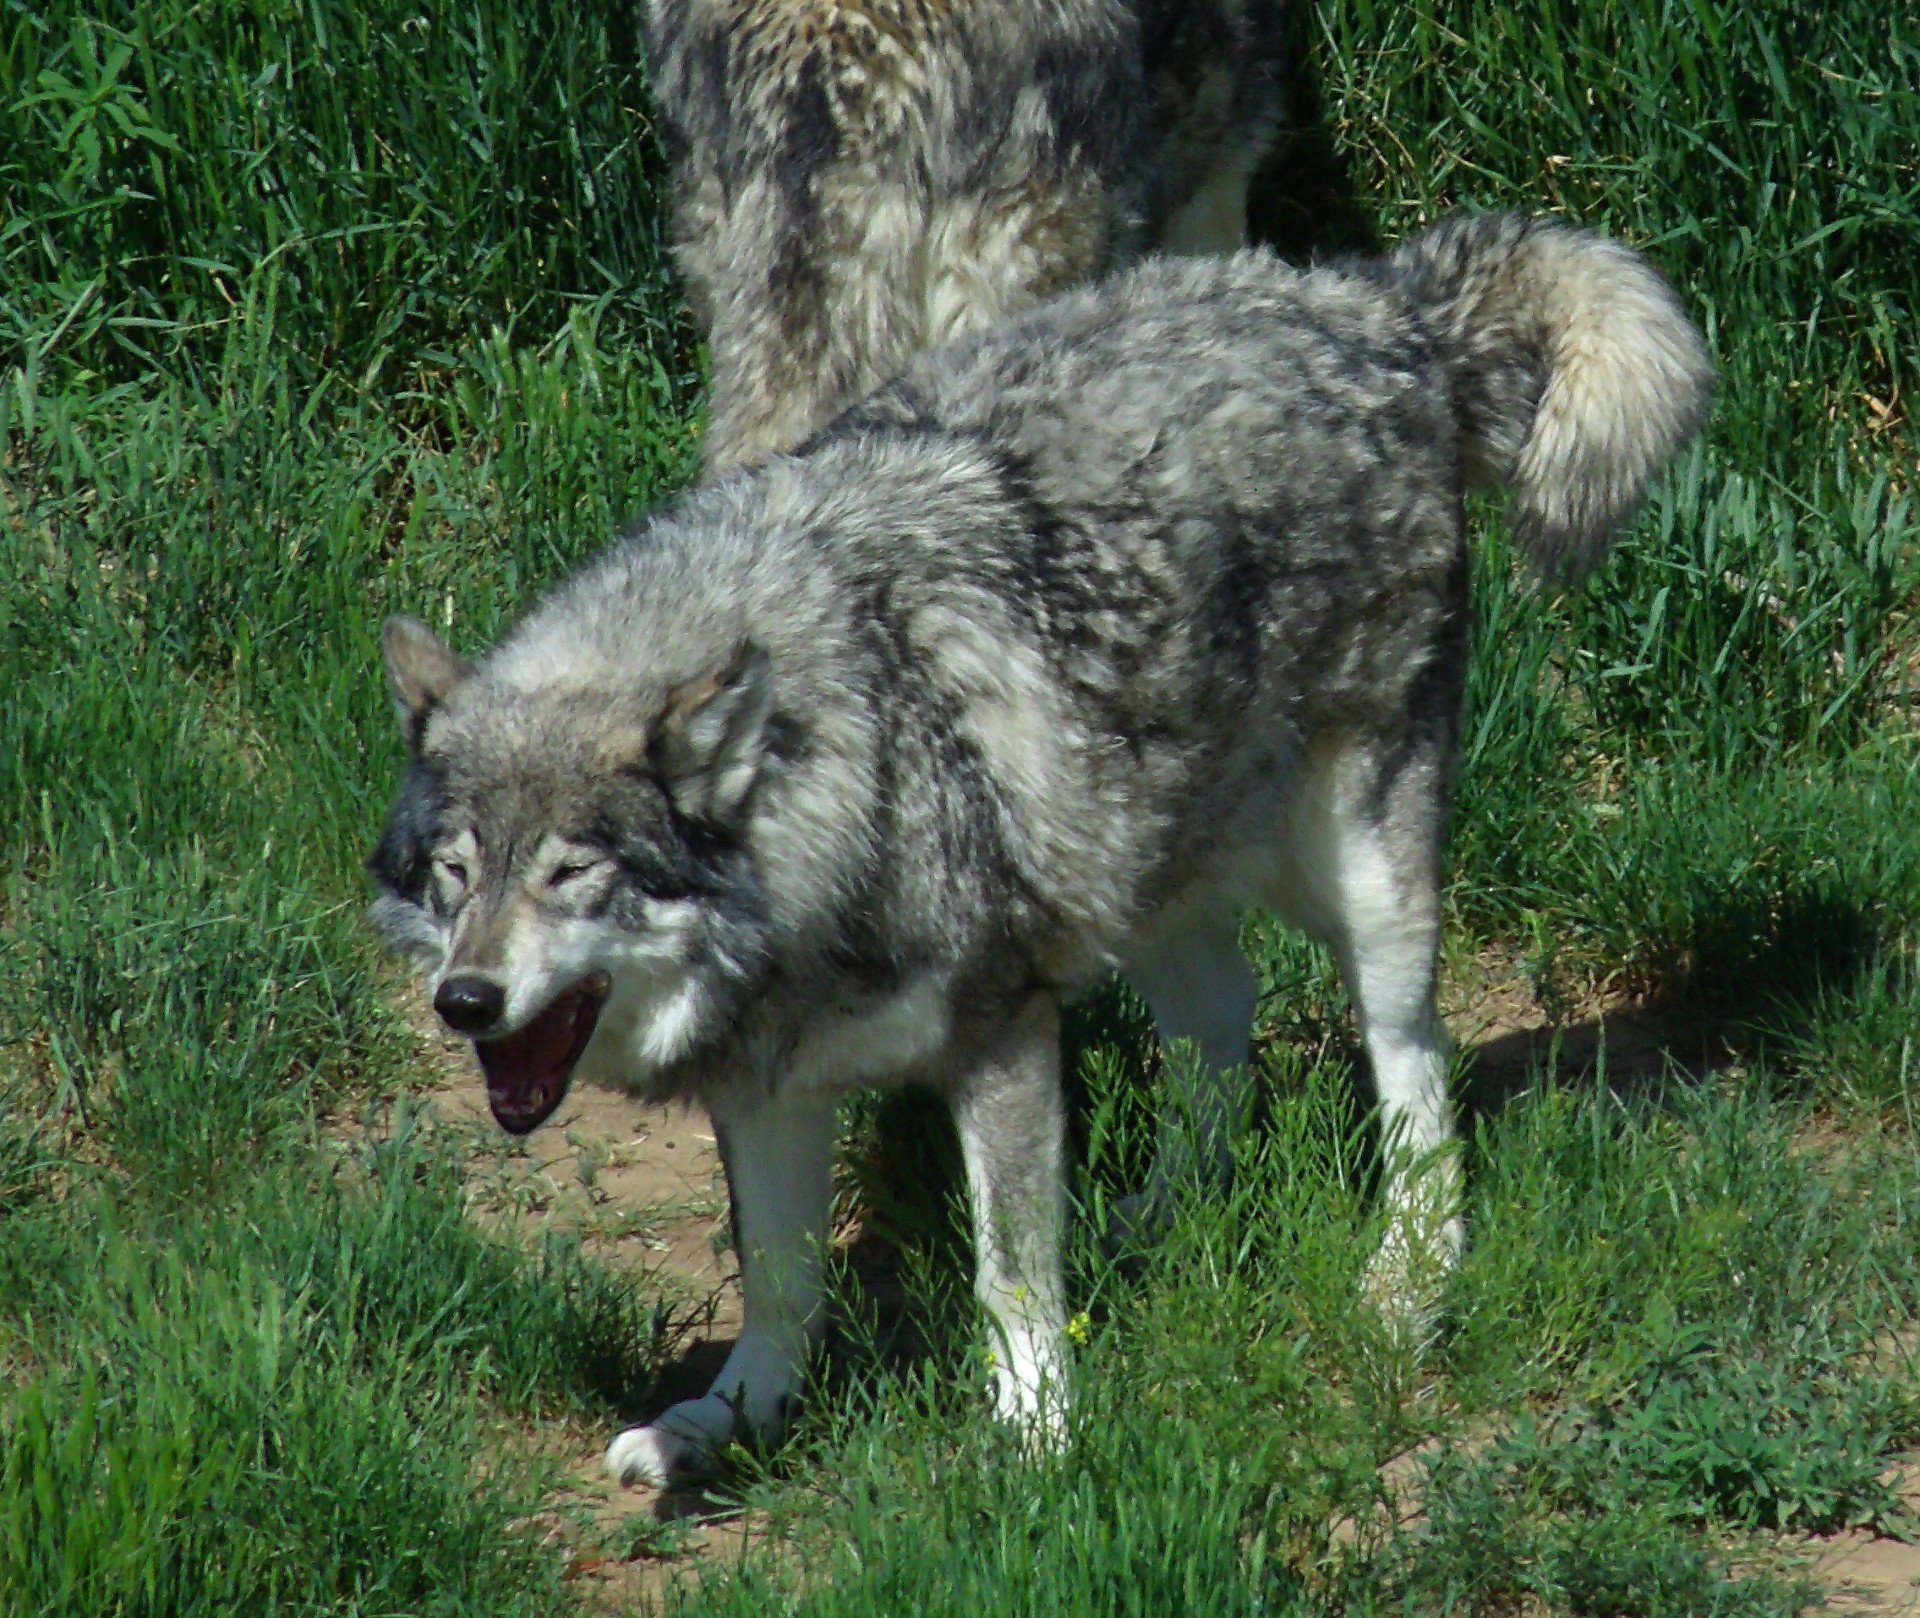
(698, 1503)
(1635, 1048)
(1741, 991)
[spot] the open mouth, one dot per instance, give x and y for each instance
(527, 1072)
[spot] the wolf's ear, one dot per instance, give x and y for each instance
(708, 744)
(421, 670)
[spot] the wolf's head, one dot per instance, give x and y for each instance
(564, 860)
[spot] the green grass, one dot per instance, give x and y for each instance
(1690, 1299)
(405, 177)
(309, 313)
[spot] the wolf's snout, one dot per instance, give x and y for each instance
(470, 1005)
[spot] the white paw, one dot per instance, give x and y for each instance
(1030, 1392)
(647, 1455)
(681, 1444)
(1407, 1278)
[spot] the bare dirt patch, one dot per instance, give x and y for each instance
(1867, 1574)
(1511, 1032)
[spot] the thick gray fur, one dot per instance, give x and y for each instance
(1043, 660)
(857, 180)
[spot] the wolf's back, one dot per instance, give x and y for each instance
(1576, 372)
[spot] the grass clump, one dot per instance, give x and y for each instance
(1499, 1539)
(291, 1402)
(220, 1445)
(1745, 1444)
(395, 177)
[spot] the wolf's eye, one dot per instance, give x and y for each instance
(452, 872)
(571, 871)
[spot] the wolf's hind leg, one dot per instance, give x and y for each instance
(778, 1152)
(1008, 1109)
(1384, 907)
(1196, 981)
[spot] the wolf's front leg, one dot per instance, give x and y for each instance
(1008, 1108)
(778, 1152)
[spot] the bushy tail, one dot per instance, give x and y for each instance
(1576, 372)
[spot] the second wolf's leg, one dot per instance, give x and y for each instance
(1213, 219)
(1008, 1108)
(778, 1152)
(1196, 981)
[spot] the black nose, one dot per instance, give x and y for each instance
(470, 1005)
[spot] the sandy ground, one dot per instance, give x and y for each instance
(1866, 1574)
(1870, 1574)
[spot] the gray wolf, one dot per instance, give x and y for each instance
(857, 180)
(1044, 660)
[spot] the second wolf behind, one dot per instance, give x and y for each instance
(858, 180)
